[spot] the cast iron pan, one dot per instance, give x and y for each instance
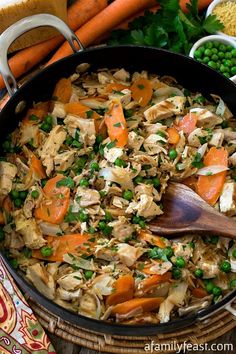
(188, 72)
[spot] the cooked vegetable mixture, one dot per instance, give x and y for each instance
(85, 172)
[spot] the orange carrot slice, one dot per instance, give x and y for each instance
(199, 292)
(144, 304)
(115, 87)
(39, 111)
(2, 219)
(152, 239)
(62, 245)
(54, 208)
(173, 135)
(124, 290)
(63, 90)
(188, 123)
(142, 91)
(151, 282)
(36, 168)
(116, 124)
(210, 187)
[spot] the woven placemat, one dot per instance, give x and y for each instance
(199, 333)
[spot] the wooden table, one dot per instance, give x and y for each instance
(63, 347)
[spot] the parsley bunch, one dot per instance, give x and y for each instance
(170, 28)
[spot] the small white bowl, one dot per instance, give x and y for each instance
(210, 10)
(212, 38)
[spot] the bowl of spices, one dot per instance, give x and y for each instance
(218, 52)
(225, 11)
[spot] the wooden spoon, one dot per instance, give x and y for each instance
(185, 212)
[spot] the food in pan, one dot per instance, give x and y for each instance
(84, 173)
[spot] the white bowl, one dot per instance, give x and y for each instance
(214, 37)
(209, 12)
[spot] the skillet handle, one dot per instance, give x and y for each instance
(19, 28)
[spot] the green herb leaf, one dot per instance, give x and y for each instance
(211, 24)
(66, 182)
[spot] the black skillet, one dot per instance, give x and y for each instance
(188, 72)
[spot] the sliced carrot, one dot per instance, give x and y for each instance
(144, 304)
(36, 168)
(210, 187)
(115, 87)
(142, 91)
(116, 123)
(62, 245)
(39, 112)
(173, 135)
(63, 90)
(152, 239)
(188, 123)
(123, 290)
(199, 292)
(151, 282)
(54, 207)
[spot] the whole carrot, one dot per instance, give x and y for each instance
(78, 14)
(107, 19)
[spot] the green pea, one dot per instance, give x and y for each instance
(136, 219)
(214, 51)
(180, 262)
(2, 234)
(128, 195)
(14, 194)
(99, 139)
(209, 45)
(35, 194)
(233, 52)
(214, 57)
(222, 48)
(198, 273)
(210, 286)
(225, 267)
(46, 127)
(108, 216)
(173, 154)
(23, 195)
(212, 64)
(233, 70)
(216, 291)
(234, 253)
(88, 274)
(120, 163)
(138, 179)
(216, 44)
(168, 251)
(232, 284)
(208, 52)
(226, 74)
(229, 47)
(46, 251)
(48, 119)
(205, 60)
(228, 55)
(228, 62)
(94, 166)
(17, 203)
(156, 182)
(84, 182)
(222, 68)
(221, 55)
(102, 224)
(176, 273)
(83, 217)
(197, 54)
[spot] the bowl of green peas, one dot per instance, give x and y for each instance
(218, 52)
